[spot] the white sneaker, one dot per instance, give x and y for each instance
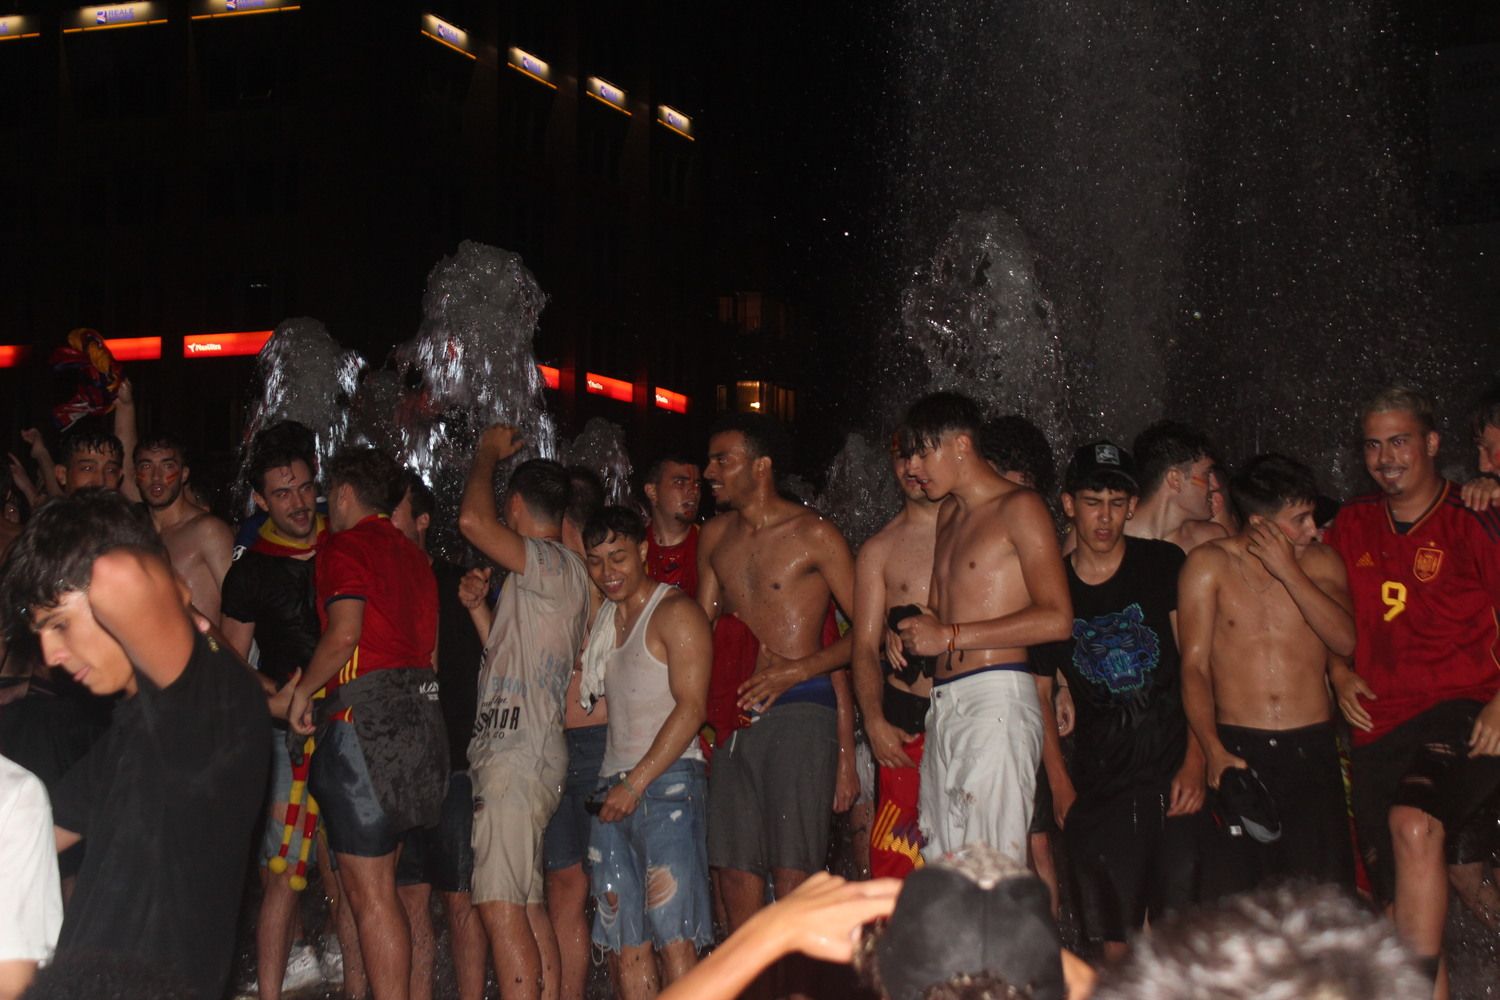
(302, 970)
(332, 961)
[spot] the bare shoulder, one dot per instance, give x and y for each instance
(1322, 557)
(1211, 557)
(676, 612)
(206, 529)
(1196, 533)
(875, 549)
(713, 532)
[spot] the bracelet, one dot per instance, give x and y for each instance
(953, 639)
(631, 789)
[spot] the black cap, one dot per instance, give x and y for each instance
(946, 925)
(1246, 807)
(1101, 465)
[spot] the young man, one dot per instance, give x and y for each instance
(32, 914)
(199, 544)
(1176, 468)
(90, 456)
(672, 490)
(169, 797)
(1128, 803)
(1424, 573)
(442, 857)
(518, 756)
(380, 767)
(894, 568)
(784, 728)
(650, 652)
(997, 588)
(268, 603)
(1262, 612)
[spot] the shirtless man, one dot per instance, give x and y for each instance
(894, 568)
(1176, 465)
(784, 750)
(997, 588)
(1261, 614)
(201, 545)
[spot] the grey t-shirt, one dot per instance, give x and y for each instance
(528, 659)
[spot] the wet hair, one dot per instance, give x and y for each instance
(1015, 444)
(374, 474)
(585, 496)
(979, 986)
(1291, 942)
(415, 487)
(543, 485)
(1394, 398)
(1486, 412)
(1164, 446)
(764, 436)
(279, 446)
(88, 435)
(659, 464)
(105, 976)
(55, 552)
(161, 441)
(614, 522)
(937, 414)
(1268, 483)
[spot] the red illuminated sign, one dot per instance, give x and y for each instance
(12, 355)
(613, 388)
(551, 377)
(666, 399)
(135, 348)
(224, 345)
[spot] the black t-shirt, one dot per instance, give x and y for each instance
(276, 594)
(459, 653)
(1125, 675)
(167, 802)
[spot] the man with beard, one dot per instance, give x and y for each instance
(672, 491)
(199, 543)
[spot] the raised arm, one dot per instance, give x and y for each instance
(136, 598)
(478, 518)
(1317, 583)
(125, 430)
(1197, 604)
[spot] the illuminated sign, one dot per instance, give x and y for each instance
(551, 377)
(16, 26)
(675, 120)
(12, 355)
(524, 62)
(224, 345)
(135, 348)
(666, 399)
(204, 9)
(114, 15)
(613, 388)
(443, 33)
(606, 93)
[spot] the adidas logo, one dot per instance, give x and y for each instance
(1365, 561)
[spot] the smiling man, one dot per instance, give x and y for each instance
(168, 799)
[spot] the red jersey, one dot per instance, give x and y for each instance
(1425, 603)
(375, 563)
(674, 564)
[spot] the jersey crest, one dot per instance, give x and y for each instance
(1426, 564)
(1117, 650)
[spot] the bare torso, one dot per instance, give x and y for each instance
(976, 574)
(200, 548)
(904, 550)
(1267, 663)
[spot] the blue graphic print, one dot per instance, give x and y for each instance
(1117, 650)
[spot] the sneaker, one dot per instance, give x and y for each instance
(302, 970)
(332, 961)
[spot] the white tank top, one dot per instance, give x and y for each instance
(635, 685)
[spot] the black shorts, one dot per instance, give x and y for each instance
(1042, 819)
(904, 710)
(1422, 763)
(442, 856)
(339, 779)
(1300, 768)
(1130, 862)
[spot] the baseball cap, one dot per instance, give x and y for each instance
(1246, 807)
(1101, 465)
(946, 924)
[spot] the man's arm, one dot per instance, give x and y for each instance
(868, 633)
(710, 591)
(125, 430)
(680, 625)
(215, 544)
(472, 591)
(1197, 604)
(137, 598)
(846, 775)
(478, 518)
(1317, 584)
(1063, 793)
(1187, 783)
(346, 621)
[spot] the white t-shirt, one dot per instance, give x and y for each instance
(528, 659)
(31, 900)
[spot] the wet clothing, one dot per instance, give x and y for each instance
(1425, 600)
(637, 689)
(460, 652)
(276, 595)
(442, 856)
(1300, 768)
(895, 835)
(31, 908)
(565, 842)
(904, 710)
(674, 564)
(736, 650)
(511, 808)
(168, 801)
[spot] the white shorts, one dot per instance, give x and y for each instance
(984, 741)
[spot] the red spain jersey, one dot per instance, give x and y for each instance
(1425, 605)
(375, 563)
(674, 564)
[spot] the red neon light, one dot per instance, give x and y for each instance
(603, 385)
(669, 400)
(224, 345)
(135, 348)
(551, 377)
(12, 355)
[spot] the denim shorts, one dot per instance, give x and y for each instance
(655, 864)
(566, 838)
(353, 818)
(278, 793)
(442, 856)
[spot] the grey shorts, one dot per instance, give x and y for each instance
(770, 794)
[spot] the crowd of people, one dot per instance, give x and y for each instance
(1253, 735)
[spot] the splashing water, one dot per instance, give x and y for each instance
(861, 494)
(601, 449)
